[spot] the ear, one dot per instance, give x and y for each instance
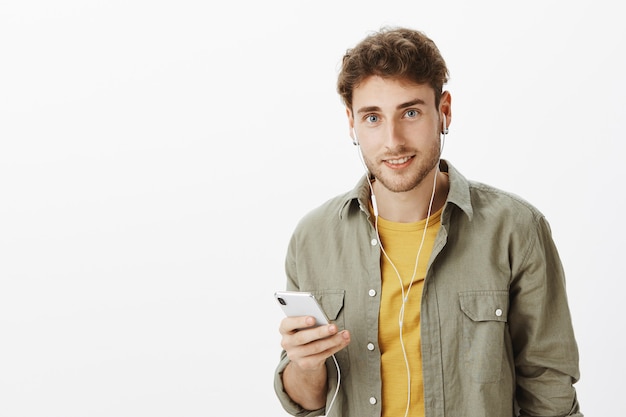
(445, 107)
(350, 123)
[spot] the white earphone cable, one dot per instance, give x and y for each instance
(332, 401)
(405, 295)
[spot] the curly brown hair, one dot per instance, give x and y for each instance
(393, 53)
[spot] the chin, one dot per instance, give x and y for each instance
(401, 186)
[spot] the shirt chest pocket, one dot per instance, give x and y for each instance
(484, 331)
(331, 302)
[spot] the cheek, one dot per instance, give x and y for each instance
(368, 148)
(416, 128)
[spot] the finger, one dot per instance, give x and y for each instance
(305, 336)
(327, 346)
(314, 353)
(290, 325)
(292, 340)
(317, 346)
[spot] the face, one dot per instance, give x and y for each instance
(398, 126)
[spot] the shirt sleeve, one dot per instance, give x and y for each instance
(287, 403)
(546, 353)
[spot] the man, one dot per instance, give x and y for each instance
(447, 297)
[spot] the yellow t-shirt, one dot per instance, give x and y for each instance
(401, 242)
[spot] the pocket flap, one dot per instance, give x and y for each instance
(485, 305)
(331, 302)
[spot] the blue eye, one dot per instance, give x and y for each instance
(411, 113)
(372, 118)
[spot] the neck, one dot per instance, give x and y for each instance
(412, 206)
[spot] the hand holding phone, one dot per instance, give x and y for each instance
(298, 304)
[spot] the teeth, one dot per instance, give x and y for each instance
(398, 161)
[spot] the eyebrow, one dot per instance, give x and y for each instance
(368, 109)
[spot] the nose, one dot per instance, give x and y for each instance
(395, 135)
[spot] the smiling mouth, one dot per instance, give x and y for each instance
(398, 161)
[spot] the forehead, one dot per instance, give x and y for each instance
(389, 92)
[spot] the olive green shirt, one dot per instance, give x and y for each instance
(496, 331)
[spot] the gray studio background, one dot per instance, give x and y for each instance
(156, 155)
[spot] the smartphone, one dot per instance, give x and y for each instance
(300, 303)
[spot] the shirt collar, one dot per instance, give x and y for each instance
(459, 193)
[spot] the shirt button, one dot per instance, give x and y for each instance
(372, 292)
(370, 346)
(499, 312)
(374, 242)
(373, 400)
